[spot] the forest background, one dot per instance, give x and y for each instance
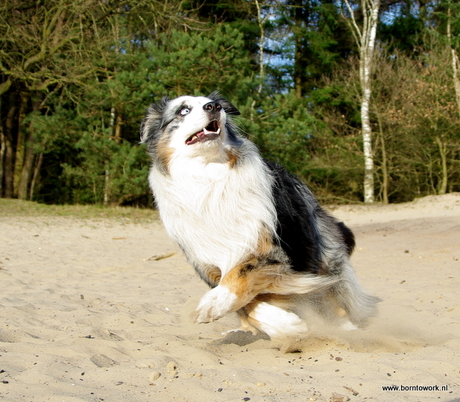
(77, 76)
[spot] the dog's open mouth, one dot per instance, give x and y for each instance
(210, 132)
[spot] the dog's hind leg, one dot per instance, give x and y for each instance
(328, 307)
(351, 301)
(271, 314)
(275, 321)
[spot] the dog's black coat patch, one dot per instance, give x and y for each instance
(299, 215)
(348, 237)
(297, 229)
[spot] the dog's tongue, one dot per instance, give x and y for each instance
(201, 135)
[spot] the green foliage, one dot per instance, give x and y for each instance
(286, 131)
(107, 169)
(76, 79)
(85, 161)
(198, 63)
(281, 128)
(403, 33)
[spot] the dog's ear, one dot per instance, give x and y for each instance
(228, 107)
(154, 120)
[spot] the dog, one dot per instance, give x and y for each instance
(252, 231)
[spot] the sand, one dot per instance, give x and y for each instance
(98, 310)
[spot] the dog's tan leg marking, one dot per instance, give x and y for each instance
(246, 281)
(246, 325)
(239, 286)
(211, 275)
(265, 243)
(235, 290)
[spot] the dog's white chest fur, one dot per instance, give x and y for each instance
(215, 212)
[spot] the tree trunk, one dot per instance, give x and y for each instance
(27, 169)
(386, 180)
(455, 60)
(260, 22)
(21, 144)
(28, 162)
(35, 177)
(367, 144)
(442, 188)
(114, 129)
(455, 68)
(106, 185)
(371, 10)
(365, 38)
(118, 124)
(2, 157)
(299, 67)
(385, 176)
(8, 170)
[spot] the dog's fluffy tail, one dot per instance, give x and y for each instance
(301, 283)
(358, 304)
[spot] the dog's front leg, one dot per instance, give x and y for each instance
(235, 290)
(215, 304)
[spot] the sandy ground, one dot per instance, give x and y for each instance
(86, 314)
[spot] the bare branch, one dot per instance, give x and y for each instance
(353, 25)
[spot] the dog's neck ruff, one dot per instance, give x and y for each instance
(215, 211)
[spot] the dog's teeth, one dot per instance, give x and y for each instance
(206, 132)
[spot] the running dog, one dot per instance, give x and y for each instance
(252, 231)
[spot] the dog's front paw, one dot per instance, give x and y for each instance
(215, 304)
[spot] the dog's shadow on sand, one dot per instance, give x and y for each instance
(377, 338)
(241, 338)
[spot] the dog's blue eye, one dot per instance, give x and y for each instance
(185, 111)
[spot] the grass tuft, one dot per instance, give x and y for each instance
(19, 208)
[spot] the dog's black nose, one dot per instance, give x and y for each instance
(212, 107)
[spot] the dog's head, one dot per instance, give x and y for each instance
(189, 126)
